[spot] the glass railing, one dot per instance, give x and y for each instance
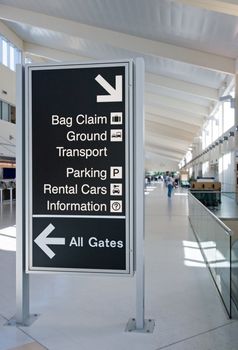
(209, 198)
(231, 195)
(214, 239)
(224, 206)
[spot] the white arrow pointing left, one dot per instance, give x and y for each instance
(115, 94)
(43, 240)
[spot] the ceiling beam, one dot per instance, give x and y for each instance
(169, 112)
(187, 87)
(178, 104)
(165, 158)
(52, 54)
(171, 122)
(176, 143)
(168, 130)
(173, 150)
(164, 148)
(159, 152)
(118, 39)
(153, 79)
(13, 37)
(229, 7)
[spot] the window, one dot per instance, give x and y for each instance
(228, 114)
(12, 58)
(4, 52)
(209, 133)
(206, 134)
(9, 54)
(215, 129)
(7, 112)
(220, 122)
(12, 114)
(203, 139)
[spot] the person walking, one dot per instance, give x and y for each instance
(170, 185)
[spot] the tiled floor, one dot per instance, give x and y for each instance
(86, 313)
(228, 208)
(30, 346)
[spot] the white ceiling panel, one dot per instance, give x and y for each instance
(83, 47)
(162, 20)
(118, 38)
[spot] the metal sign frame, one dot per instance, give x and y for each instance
(135, 192)
(129, 126)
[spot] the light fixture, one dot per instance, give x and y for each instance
(7, 165)
(228, 98)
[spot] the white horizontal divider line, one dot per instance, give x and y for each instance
(79, 216)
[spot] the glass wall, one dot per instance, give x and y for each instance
(219, 125)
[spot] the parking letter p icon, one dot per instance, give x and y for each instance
(116, 172)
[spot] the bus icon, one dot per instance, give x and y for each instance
(116, 135)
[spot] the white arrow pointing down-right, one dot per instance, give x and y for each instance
(43, 240)
(115, 95)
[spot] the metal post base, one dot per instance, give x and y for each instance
(28, 322)
(149, 326)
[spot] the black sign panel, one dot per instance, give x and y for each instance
(80, 243)
(78, 167)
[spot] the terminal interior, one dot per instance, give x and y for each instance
(190, 101)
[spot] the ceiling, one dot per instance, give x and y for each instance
(189, 48)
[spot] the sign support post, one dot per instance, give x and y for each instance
(139, 193)
(139, 324)
(22, 279)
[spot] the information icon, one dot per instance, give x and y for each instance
(115, 206)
